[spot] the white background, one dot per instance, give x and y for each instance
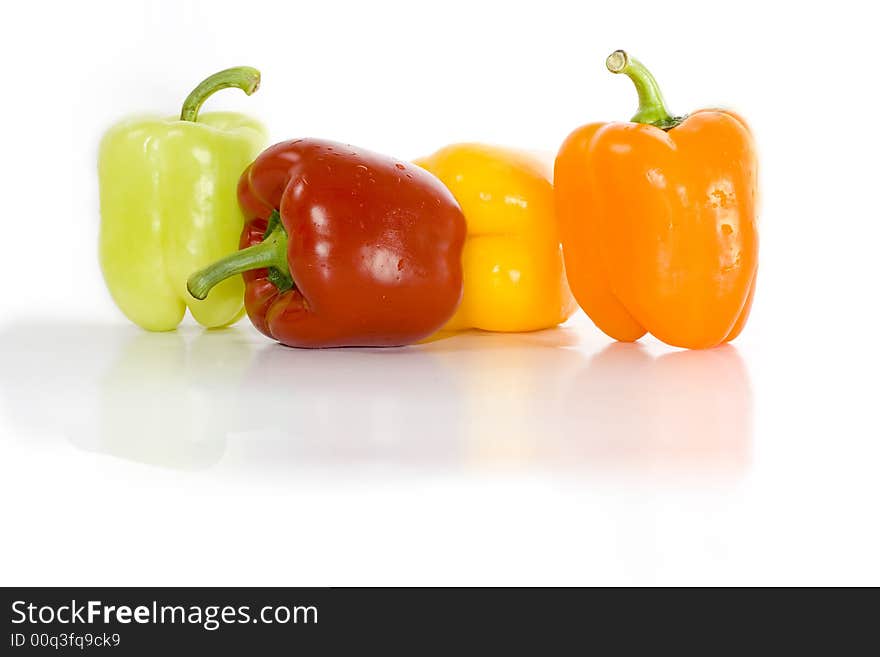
(550, 458)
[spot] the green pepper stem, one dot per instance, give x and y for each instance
(270, 253)
(652, 108)
(243, 77)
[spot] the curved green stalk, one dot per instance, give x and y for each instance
(242, 77)
(271, 253)
(652, 107)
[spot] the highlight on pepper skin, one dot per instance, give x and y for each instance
(659, 221)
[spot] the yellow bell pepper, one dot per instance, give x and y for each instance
(514, 276)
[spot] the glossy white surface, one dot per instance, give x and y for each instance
(209, 457)
(548, 458)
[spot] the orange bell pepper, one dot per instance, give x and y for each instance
(658, 220)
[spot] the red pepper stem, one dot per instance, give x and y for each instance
(270, 253)
(242, 77)
(652, 108)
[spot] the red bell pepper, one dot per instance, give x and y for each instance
(343, 247)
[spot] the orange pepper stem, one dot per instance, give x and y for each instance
(652, 107)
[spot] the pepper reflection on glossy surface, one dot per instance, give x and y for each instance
(535, 402)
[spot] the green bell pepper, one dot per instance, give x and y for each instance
(169, 207)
